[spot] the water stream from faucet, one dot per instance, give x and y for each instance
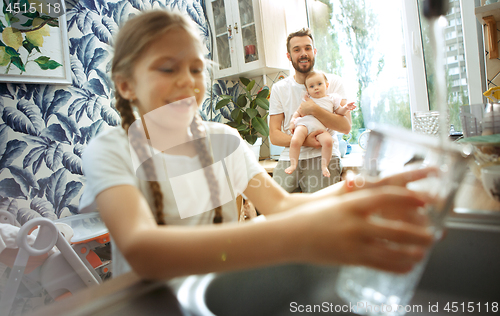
(437, 25)
(435, 11)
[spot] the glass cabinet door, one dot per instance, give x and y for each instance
(222, 36)
(248, 31)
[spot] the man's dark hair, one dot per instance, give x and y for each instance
(302, 32)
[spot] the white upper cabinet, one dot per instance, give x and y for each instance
(249, 37)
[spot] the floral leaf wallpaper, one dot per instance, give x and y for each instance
(44, 129)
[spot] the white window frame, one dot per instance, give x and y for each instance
(419, 100)
(417, 83)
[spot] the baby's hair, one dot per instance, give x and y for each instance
(312, 73)
(132, 40)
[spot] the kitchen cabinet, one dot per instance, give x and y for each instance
(249, 37)
(489, 15)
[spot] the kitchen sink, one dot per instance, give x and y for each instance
(462, 277)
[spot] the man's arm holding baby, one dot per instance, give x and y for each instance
(336, 122)
(292, 121)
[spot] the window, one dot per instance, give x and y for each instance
(456, 70)
(364, 44)
(386, 62)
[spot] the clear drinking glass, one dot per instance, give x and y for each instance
(392, 151)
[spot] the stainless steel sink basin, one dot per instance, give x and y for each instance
(464, 268)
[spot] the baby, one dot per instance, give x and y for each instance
(316, 84)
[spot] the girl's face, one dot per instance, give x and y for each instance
(316, 86)
(170, 69)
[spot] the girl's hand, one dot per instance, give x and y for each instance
(342, 230)
(357, 182)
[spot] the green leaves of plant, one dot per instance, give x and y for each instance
(263, 93)
(244, 81)
(263, 103)
(252, 113)
(250, 85)
(237, 115)
(242, 101)
(251, 139)
(260, 126)
(246, 117)
(223, 102)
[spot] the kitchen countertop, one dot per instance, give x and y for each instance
(353, 162)
(472, 196)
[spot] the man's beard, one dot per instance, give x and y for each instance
(296, 65)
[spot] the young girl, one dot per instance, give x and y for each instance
(158, 67)
(316, 84)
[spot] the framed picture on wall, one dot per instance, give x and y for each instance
(34, 42)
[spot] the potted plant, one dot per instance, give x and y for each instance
(246, 117)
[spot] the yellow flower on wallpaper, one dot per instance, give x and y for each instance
(12, 37)
(36, 37)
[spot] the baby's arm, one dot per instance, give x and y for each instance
(343, 109)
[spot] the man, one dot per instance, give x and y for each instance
(286, 97)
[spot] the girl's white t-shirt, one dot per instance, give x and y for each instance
(108, 162)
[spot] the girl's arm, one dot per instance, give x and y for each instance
(304, 234)
(269, 197)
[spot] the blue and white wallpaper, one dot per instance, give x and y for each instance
(45, 128)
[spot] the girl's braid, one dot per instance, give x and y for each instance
(124, 107)
(207, 160)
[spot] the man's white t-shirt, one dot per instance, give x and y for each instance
(108, 162)
(286, 96)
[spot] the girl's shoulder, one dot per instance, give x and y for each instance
(110, 140)
(116, 133)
